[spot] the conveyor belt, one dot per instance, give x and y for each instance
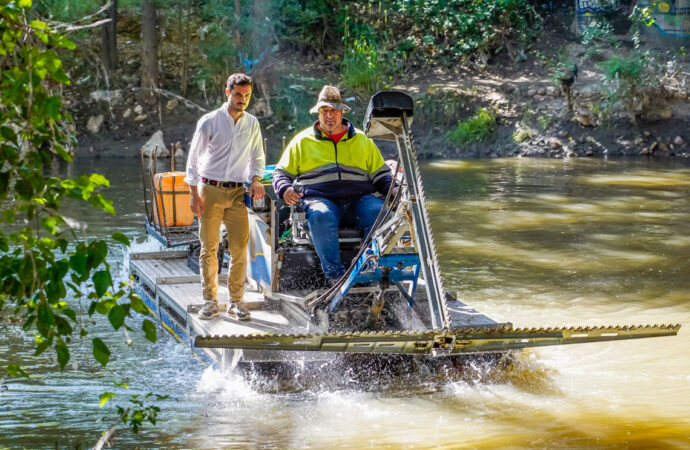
(442, 342)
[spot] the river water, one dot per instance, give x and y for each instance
(532, 242)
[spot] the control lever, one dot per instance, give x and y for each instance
(297, 187)
(298, 215)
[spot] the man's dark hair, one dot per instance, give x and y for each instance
(240, 79)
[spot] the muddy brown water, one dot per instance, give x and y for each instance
(533, 242)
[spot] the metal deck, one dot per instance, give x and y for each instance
(173, 292)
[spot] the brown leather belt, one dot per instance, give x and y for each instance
(222, 184)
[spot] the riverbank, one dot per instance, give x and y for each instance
(532, 115)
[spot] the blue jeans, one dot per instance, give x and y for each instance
(325, 216)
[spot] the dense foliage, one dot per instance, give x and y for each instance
(377, 40)
(42, 260)
(368, 42)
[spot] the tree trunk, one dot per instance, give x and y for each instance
(109, 37)
(185, 59)
(238, 11)
(149, 53)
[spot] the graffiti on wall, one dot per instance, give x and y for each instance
(672, 17)
(595, 6)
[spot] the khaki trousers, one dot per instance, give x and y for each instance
(223, 205)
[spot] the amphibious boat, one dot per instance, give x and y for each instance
(390, 301)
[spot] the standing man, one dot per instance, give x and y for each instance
(340, 167)
(226, 151)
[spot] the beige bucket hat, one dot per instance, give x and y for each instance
(330, 96)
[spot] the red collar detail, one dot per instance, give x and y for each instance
(337, 136)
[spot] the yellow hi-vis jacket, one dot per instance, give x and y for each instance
(350, 168)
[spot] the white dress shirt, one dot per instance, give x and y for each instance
(223, 150)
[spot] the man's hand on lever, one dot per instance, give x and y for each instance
(292, 194)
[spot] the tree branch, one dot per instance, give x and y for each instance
(106, 438)
(167, 93)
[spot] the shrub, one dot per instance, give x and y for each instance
(360, 69)
(478, 128)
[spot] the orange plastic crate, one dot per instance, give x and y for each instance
(171, 200)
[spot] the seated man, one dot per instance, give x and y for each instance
(339, 167)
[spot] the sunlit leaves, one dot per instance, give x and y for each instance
(83, 188)
(38, 25)
(105, 397)
(39, 258)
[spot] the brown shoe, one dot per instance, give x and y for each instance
(209, 310)
(238, 310)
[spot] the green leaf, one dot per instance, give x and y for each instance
(24, 3)
(116, 316)
(4, 183)
(52, 106)
(98, 201)
(37, 24)
(101, 282)
(96, 254)
(100, 351)
(46, 316)
(138, 305)
(64, 154)
(63, 326)
(70, 313)
(60, 76)
(105, 397)
(62, 354)
(29, 322)
(78, 262)
(14, 370)
(99, 180)
(149, 330)
(8, 134)
(42, 347)
(62, 245)
(121, 238)
(66, 43)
